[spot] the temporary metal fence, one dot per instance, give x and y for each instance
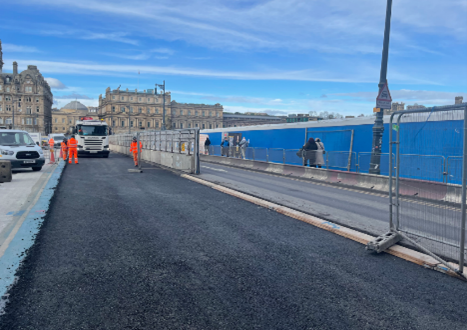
(182, 141)
(436, 228)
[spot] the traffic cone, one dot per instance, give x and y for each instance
(61, 155)
(52, 156)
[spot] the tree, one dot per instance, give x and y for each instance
(313, 113)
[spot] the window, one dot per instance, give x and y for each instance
(35, 121)
(28, 110)
(157, 124)
(63, 120)
(122, 109)
(56, 128)
(140, 110)
(113, 97)
(181, 112)
(210, 126)
(131, 109)
(189, 125)
(55, 119)
(140, 124)
(1, 108)
(217, 126)
(148, 110)
(122, 98)
(196, 112)
(189, 112)
(8, 121)
(149, 100)
(203, 113)
(113, 109)
(8, 108)
(210, 113)
(113, 123)
(37, 100)
(217, 114)
(139, 99)
(1, 87)
(131, 98)
(69, 122)
(7, 98)
(38, 109)
(28, 99)
(204, 126)
(28, 89)
(157, 110)
(63, 128)
(1, 119)
(131, 123)
(0, 97)
(181, 125)
(196, 125)
(149, 124)
(7, 88)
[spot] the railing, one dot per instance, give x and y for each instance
(420, 167)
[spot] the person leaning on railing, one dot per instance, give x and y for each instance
(309, 154)
(243, 144)
(319, 154)
(225, 147)
(207, 143)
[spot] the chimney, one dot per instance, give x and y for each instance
(459, 99)
(15, 68)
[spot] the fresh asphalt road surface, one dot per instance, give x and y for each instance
(123, 250)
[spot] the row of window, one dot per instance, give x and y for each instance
(26, 99)
(175, 125)
(27, 89)
(24, 121)
(29, 110)
(174, 112)
(140, 99)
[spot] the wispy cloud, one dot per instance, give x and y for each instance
(55, 83)
(19, 49)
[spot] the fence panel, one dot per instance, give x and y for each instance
(261, 154)
(276, 155)
(364, 159)
(454, 169)
(342, 160)
(215, 150)
(422, 167)
(291, 157)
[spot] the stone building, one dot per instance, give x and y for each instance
(458, 99)
(126, 110)
(415, 106)
(68, 115)
(26, 97)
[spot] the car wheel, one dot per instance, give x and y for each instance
(37, 169)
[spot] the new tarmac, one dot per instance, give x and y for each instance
(152, 250)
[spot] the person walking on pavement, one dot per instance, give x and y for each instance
(134, 149)
(72, 149)
(243, 144)
(310, 153)
(319, 154)
(64, 149)
(207, 143)
(225, 147)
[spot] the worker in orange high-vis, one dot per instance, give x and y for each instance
(72, 149)
(64, 149)
(134, 150)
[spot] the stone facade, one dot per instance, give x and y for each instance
(237, 120)
(27, 97)
(67, 116)
(126, 110)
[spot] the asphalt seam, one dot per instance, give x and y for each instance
(396, 250)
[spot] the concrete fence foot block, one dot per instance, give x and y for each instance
(383, 242)
(5, 171)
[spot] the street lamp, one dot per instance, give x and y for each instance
(378, 127)
(163, 128)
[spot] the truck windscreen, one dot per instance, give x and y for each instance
(86, 130)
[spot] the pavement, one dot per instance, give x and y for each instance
(152, 250)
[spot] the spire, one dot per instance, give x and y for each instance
(1, 57)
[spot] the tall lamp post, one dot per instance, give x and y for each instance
(163, 128)
(378, 127)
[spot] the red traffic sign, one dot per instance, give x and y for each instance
(384, 98)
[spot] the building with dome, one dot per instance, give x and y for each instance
(25, 99)
(68, 115)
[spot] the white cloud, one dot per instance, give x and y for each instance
(19, 49)
(55, 83)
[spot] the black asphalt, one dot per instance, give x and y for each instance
(126, 250)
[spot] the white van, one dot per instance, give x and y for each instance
(36, 137)
(19, 148)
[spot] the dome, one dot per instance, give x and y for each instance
(75, 105)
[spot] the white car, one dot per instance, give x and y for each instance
(19, 148)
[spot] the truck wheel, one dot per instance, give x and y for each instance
(37, 169)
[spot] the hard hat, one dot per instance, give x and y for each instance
(134, 138)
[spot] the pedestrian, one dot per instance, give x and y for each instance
(134, 150)
(310, 153)
(64, 149)
(207, 143)
(225, 147)
(72, 149)
(319, 154)
(243, 145)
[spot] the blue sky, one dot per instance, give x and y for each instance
(280, 57)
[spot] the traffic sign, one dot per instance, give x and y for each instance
(384, 98)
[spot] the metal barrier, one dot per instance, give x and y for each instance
(364, 159)
(276, 156)
(341, 159)
(438, 230)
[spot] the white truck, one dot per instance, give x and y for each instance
(92, 137)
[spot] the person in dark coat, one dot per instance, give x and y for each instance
(207, 143)
(310, 152)
(225, 147)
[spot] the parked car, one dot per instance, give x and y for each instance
(19, 148)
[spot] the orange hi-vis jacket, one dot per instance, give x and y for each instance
(134, 147)
(51, 143)
(72, 144)
(64, 147)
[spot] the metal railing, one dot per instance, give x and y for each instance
(412, 166)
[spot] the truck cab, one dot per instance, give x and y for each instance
(92, 137)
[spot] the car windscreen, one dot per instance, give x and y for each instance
(58, 138)
(15, 139)
(87, 130)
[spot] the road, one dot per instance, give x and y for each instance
(123, 250)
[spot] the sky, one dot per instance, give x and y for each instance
(278, 57)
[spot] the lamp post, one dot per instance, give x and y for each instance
(163, 128)
(378, 128)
